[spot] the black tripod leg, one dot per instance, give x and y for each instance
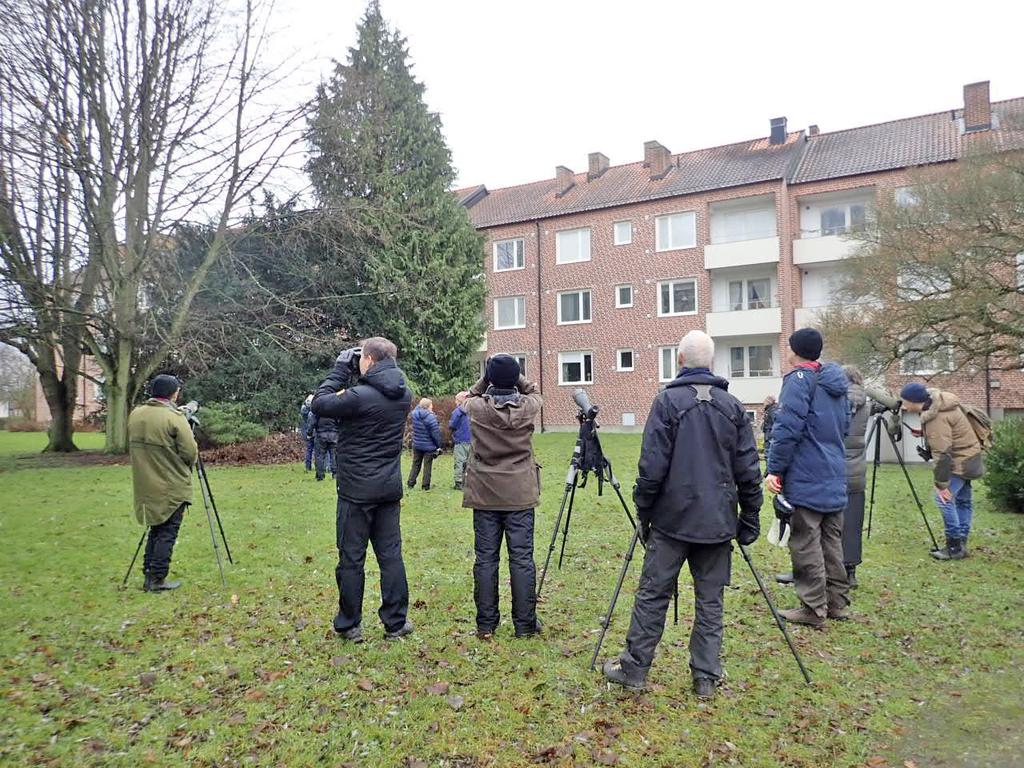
(913, 490)
(675, 605)
(875, 432)
(565, 531)
(134, 557)
(204, 478)
(615, 596)
(775, 613)
(570, 485)
(213, 535)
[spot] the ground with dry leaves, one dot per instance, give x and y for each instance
(929, 672)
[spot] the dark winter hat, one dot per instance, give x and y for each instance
(164, 385)
(914, 392)
(807, 343)
(503, 371)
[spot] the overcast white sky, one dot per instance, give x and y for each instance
(525, 86)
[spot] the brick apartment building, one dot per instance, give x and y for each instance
(593, 277)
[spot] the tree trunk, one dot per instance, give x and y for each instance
(61, 402)
(117, 416)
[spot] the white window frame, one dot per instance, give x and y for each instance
(745, 293)
(906, 371)
(632, 297)
(674, 352)
(563, 357)
(579, 292)
(661, 247)
(746, 361)
(522, 320)
(618, 360)
(751, 416)
(521, 359)
(520, 255)
(615, 233)
(559, 259)
(696, 297)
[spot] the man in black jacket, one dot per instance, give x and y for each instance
(371, 416)
(698, 461)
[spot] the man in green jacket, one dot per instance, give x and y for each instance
(163, 453)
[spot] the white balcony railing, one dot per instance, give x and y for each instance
(746, 322)
(753, 390)
(814, 250)
(741, 253)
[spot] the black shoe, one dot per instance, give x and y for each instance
(159, 585)
(319, 478)
(426, 487)
(951, 551)
(784, 578)
(851, 576)
(704, 687)
(353, 634)
(402, 631)
(632, 679)
(530, 632)
(483, 633)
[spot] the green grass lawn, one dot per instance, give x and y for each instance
(929, 670)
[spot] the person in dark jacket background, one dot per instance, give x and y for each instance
(697, 463)
(771, 407)
(325, 443)
(856, 472)
(371, 413)
(807, 463)
(304, 413)
(426, 442)
(461, 436)
(502, 487)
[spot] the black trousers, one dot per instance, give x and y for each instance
(426, 459)
(156, 561)
(853, 527)
(710, 567)
(517, 529)
(378, 524)
(324, 453)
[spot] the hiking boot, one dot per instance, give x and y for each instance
(839, 614)
(633, 680)
(353, 634)
(159, 585)
(530, 632)
(851, 576)
(802, 615)
(402, 631)
(484, 634)
(784, 578)
(426, 487)
(959, 551)
(951, 551)
(704, 687)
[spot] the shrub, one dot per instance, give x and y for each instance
(227, 424)
(1005, 464)
(443, 408)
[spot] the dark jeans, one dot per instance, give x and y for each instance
(426, 459)
(816, 549)
(378, 524)
(710, 567)
(853, 528)
(156, 561)
(517, 528)
(309, 452)
(324, 452)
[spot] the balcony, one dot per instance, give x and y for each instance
(741, 253)
(755, 389)
(815, 250)
(744, 322)
(807, 317)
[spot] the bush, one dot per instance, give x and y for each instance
(443, 408)
(227, 424)
(1005, 464)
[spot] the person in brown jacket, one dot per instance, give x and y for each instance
(502, 486)
(951, 439)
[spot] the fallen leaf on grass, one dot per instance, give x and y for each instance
(234, 599)
(255, 694)
(340, 661)
(606, 757)
(456, 702)
(184, 742)
(300, 625)
(909, 764)
(414, 763)
(877, 762)
(236, 718)
(365, 684)
(438, 689)
(553, 753)
(147, 679)
(231, 673)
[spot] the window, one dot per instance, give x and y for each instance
(575, 368)
(842, 218)
(752, 417)
(677, 230)
(574, 307)
(624, 359)
(521, 359)
(623, 296)
(907, 197)
(732, 225)
(924, 356)
(667, 358)
(623, 232)
(572, 245)
(753, 361)
(509, 254)
(750, 294)
(510, 312)
(677, 297)
(628, 419)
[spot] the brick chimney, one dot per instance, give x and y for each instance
(657, 159)
(778, 134)
(565, 180)
(813, 130)
(977, 107)
(598, 165)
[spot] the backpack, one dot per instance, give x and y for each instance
(980, 423)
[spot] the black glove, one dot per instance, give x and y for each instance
(748, 528)
(783, 509)
(350, 358)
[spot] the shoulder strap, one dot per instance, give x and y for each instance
(702, 394)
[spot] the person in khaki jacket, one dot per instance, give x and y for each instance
(953, 443)
(502, 486)
(163, 452)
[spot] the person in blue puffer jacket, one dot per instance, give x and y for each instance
(807, 464)
(426, 442)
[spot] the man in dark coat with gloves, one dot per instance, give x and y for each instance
(367, 395)
(807, 464)
(502, 487)
(698, 463)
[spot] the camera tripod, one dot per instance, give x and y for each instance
(211, 507)
(875, 433)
